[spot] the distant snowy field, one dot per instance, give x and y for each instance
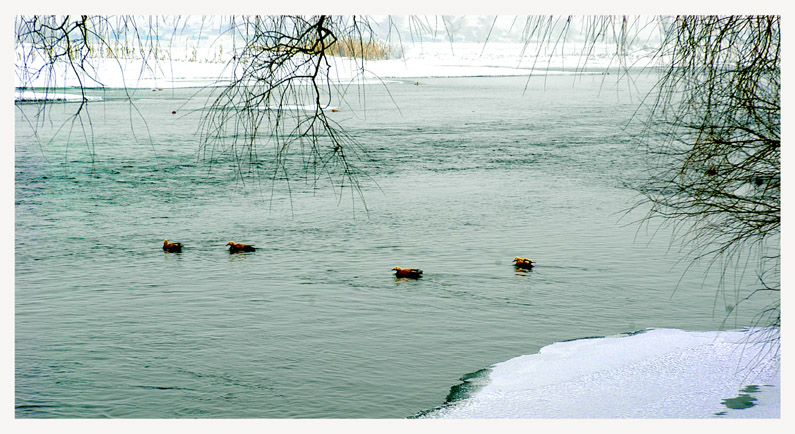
(429, 59)
(663, 373)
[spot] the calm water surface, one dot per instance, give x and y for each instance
(465, 174)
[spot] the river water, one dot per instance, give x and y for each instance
(463, 175)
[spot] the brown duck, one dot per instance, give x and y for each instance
(238, 247)
(409, 273)
(522, 263)
(171, 247)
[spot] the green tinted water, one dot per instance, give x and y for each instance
(469, 173)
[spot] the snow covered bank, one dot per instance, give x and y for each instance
(441, 59)
(131, 74)
(51, 95)
(437, 59)
(663, 373)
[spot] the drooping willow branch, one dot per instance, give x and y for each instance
(718, 165)
(713, 133)
(280, 98)
(714, 139)
(55, 52)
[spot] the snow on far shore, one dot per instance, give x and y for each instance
(425, 60)
(662, 373)
(51, 95)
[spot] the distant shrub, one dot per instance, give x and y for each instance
(344, 47)
(368, 50)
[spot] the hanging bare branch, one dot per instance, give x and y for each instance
(715, 144)
(273, 118)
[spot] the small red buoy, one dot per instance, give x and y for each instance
(173, 112)
(334, 110)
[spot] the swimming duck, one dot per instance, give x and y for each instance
(237, 247)
(171, 247)
(410, 273)
(523, 263)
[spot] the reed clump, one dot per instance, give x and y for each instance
(357, 48)
(344, 47)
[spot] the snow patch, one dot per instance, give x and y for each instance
(662, 373)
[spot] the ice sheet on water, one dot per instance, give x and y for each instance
(661, 373)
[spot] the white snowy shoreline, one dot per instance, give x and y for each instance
(437, 60)
(661, 373)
